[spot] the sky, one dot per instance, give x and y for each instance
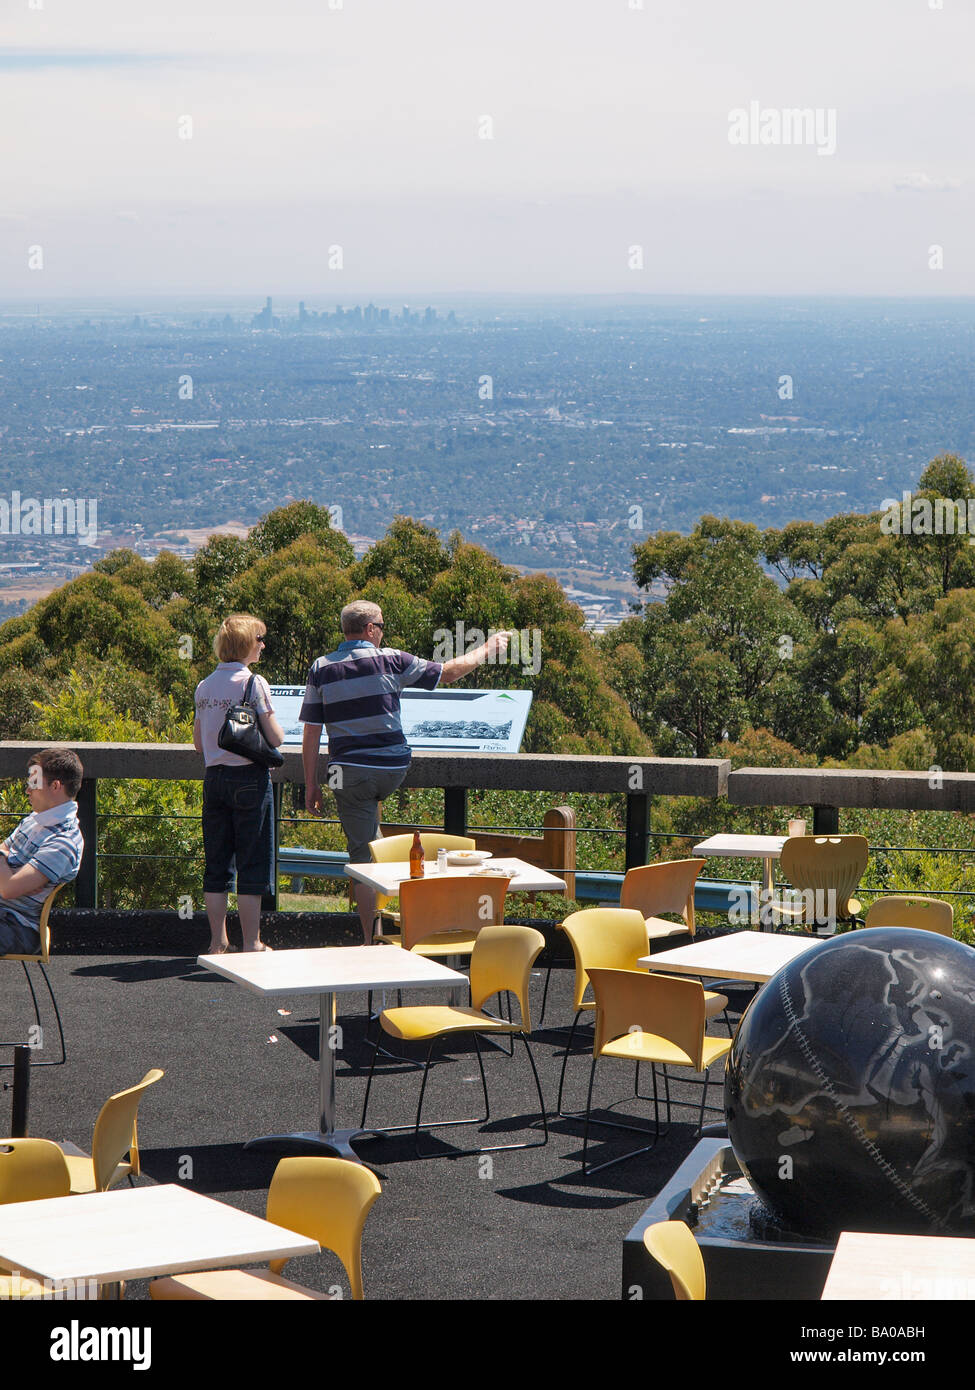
(338, 150)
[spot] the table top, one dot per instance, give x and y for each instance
(741, 847)
(136, 1233)
(525, 878)
(746, 955)
(331, 970)
(912, 1268)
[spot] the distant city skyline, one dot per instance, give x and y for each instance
(346, 150)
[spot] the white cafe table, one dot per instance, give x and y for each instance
(386, 878)
(135, 1233)
(328, 971)
(743, 955)
(765, 847)
(911, 1268)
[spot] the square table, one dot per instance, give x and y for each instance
(136, 1233)
(327, 971)
(765, 847)
(912, 1268)
(386, 878)
(743, 955)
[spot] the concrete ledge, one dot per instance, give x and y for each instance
(873, 790)
(509, 772)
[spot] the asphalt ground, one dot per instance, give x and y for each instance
(516, 1225)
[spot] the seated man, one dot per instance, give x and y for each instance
(43, 851)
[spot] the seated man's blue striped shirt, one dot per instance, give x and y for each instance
(354, 692)
(51, 842)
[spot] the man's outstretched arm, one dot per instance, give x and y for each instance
(459, 666)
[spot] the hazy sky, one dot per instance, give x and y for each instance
(360, 127)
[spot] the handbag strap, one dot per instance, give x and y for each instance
(247, 693)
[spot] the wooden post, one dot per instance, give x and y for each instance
(560, 845)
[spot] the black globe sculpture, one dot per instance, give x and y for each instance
(850, 1088)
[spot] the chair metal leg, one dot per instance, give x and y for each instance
(587, 1167)
(548, 977)
(420, 1126)
(568, 1114)
(487, 1148)
(59, 1061)
(57, 1014)
(688, 1081)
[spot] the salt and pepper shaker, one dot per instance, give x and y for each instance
(441, 861)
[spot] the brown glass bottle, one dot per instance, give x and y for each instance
(416, 856)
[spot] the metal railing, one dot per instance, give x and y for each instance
(637, 780)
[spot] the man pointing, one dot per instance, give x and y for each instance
(354, 692)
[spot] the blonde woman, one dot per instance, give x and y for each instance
(238, 810)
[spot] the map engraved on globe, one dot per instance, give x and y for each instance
(850, 1088)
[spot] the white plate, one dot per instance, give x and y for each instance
(467, 858)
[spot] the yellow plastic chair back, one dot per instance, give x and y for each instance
(613, 938)
(432, 906)
(44, 953)
(328, 1200)
(664, 1005)
(32, 1169)
(116, 1133)
(924, 914)
(673, 1246)
(502, 959)
(395, 848)
(824, 862)
(666, 887)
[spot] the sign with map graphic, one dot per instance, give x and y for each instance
(479, 721)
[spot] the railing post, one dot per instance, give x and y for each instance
(637, 829)
(269, 903)
(86, 884)
(455, 810)
(826, 820)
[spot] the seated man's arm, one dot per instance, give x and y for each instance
(17, 883)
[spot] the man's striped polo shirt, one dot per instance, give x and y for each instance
(354, 691)
(51, 842)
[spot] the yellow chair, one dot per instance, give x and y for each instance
(30, 1170)
(673, 1246)
(395, 849)
(443, 916)
(501, 962)
(924, 914)
(659, 1019)
(613, 938)
(115, 1136)
(40, 958)
(326, 1199)
(666, 887)
(820, 866)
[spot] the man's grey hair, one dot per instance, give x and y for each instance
(356, 617)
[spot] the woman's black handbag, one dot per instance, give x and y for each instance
(241, 734)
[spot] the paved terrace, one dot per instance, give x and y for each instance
(527, 1226)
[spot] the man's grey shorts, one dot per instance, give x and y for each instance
(358, 793)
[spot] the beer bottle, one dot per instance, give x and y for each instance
(416, 856)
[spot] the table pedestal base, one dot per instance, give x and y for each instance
(339, 1142)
